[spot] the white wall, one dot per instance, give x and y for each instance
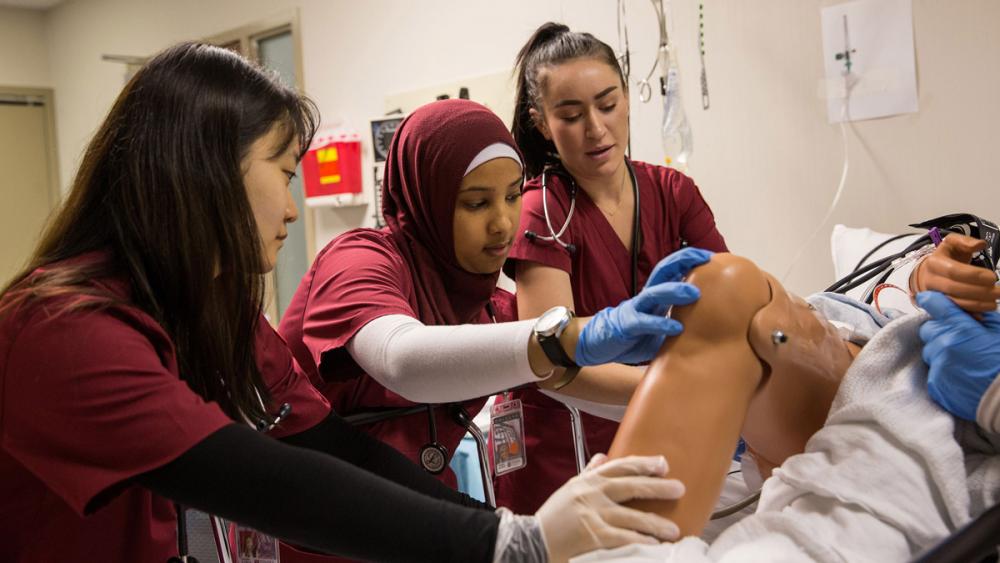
(79, 32)
(765, 158)
(769, 163)
(24, 56)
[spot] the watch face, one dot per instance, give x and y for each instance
(551, 321)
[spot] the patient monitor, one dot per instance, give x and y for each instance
(753, 360)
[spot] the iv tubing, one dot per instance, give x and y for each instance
(844, 117)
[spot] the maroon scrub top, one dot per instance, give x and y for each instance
(91, 399)
(359, 277)
(672, 210)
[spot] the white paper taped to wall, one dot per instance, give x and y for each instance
(874, 39)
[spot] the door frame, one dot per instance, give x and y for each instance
(47, 96)
(244, 40)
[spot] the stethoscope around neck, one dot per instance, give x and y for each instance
(556, 235)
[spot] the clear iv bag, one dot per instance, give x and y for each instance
(676, 131)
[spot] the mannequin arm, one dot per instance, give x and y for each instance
(694, 397)
(949, 271)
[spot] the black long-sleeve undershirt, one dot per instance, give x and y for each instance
(330, 488)
(337, 437)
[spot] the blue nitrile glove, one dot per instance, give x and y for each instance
(963, 354)
(632, 332)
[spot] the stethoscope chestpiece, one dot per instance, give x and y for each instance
(433, 458)
(433, 455)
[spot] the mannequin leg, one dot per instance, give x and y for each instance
(694, 397)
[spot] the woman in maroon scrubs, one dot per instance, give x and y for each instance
(135, 364)
(571, 121)
(388, 322)
(411, 269)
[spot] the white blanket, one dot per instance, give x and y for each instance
(889, 475)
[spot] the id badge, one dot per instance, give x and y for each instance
(507, 435)
(255, 547)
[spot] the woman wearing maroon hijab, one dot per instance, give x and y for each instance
(383, 319)
(409, 271)
(571, 119)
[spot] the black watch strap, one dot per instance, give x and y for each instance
(569, 374)
(554, 351)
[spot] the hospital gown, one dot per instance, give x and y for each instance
(889, 475)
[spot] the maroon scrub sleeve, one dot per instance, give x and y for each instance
(88, 402)
(697, 223)
(287, 384)
(354, 280)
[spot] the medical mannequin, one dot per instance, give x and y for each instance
(752, 360)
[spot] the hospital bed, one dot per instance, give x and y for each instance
(977, 541)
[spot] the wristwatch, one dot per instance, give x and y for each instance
(548, 328)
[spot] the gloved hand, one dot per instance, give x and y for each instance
(963, 354)
(633, 331)
(585, 514)
(948, 270)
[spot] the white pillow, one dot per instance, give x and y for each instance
(850, 244)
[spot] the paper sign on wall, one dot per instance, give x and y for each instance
(874, 39)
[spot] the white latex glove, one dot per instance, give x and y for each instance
(585, 514)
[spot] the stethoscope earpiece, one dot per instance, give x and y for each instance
(263, 425)
(533, 236)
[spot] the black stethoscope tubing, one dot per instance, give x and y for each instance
(456, 410)
(555, 236)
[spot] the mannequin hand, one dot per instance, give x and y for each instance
(585, 514)
(948, 270)
(633, 331)
(963, 354)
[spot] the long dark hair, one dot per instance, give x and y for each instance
(551, 44)
(160, 193)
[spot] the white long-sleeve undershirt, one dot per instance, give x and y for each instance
(441, 364)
